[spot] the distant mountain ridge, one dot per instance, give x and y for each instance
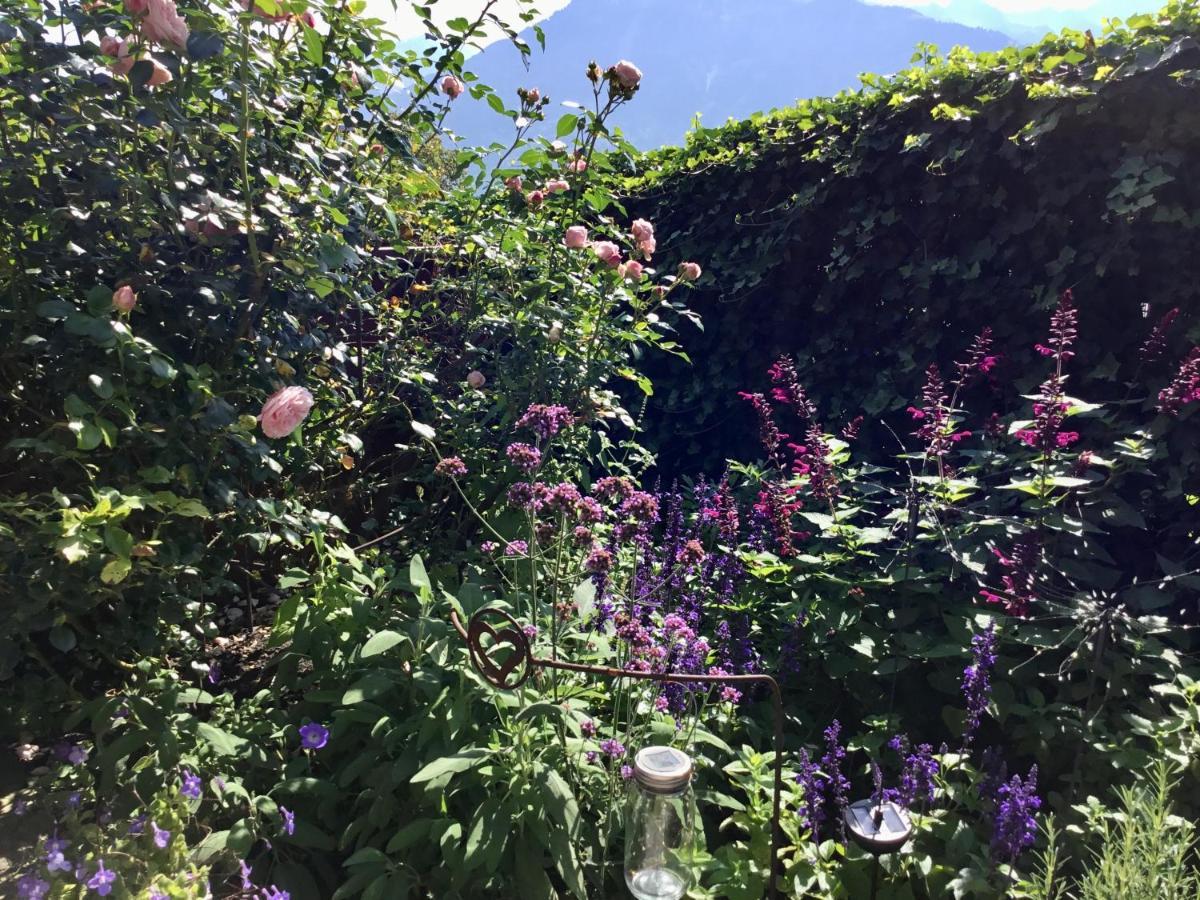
(718, 58)
(1027, 25)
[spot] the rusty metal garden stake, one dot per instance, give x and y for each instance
(519, 665)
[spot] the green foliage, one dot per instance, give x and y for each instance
(1144, 850)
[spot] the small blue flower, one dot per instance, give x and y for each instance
(313, 736)
(102, 881)
(191, 786)
(55, 844)
(274, 893)
(30, 887)
(138, 825)
(56, 862)
(289, 820)
(77, 755)
(162, 837)
(74, 799)
(20, 807)
(247, 884)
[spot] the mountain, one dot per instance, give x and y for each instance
(1027, 24)
(715, 58)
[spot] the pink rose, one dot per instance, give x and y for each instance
(513, 183)
(556, 185)
(641, 230)
(632, 270)
(476, 379)
(163, 24)
(452, 87)
(284, 411)
(137, 7)
(576, 237)
(577, 165)
(159, 74)
(608, 253)
(627, 74)
(124, 299)
(535, 199)
(119, 50)
(689, 271)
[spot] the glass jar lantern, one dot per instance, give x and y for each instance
(660, 825)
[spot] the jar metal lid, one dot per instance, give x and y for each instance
(662, 769)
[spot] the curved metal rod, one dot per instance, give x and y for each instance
(532, 661)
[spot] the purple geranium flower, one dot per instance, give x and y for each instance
(313, 736)
(191, 785)
(289, 820)
(162, 837)
(102, 881)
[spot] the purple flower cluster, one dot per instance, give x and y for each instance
(525, 457)
(824, 785)
(451, 467)
(546, 420)
(612, 748)
(313, 736)
(977, 681)
(1014, 822)
(917, 785)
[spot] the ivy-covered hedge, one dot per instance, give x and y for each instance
(873, 232)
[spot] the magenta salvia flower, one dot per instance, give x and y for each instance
(850, 429)
(190, 786)
(451, 467)
(516, 548)
(289, 820)
(102, 881)
(1156, 344)
(979, 361)
(524, 456)
(1014, 825)
(1184, 387)
(162, 837)
(1020, 577)
(789, 390)
(546, 420)
(30, 887)
(768, 432)
(1063, 329)
(977, 681)
(313, 736)
(612, 748)
(934, 430)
